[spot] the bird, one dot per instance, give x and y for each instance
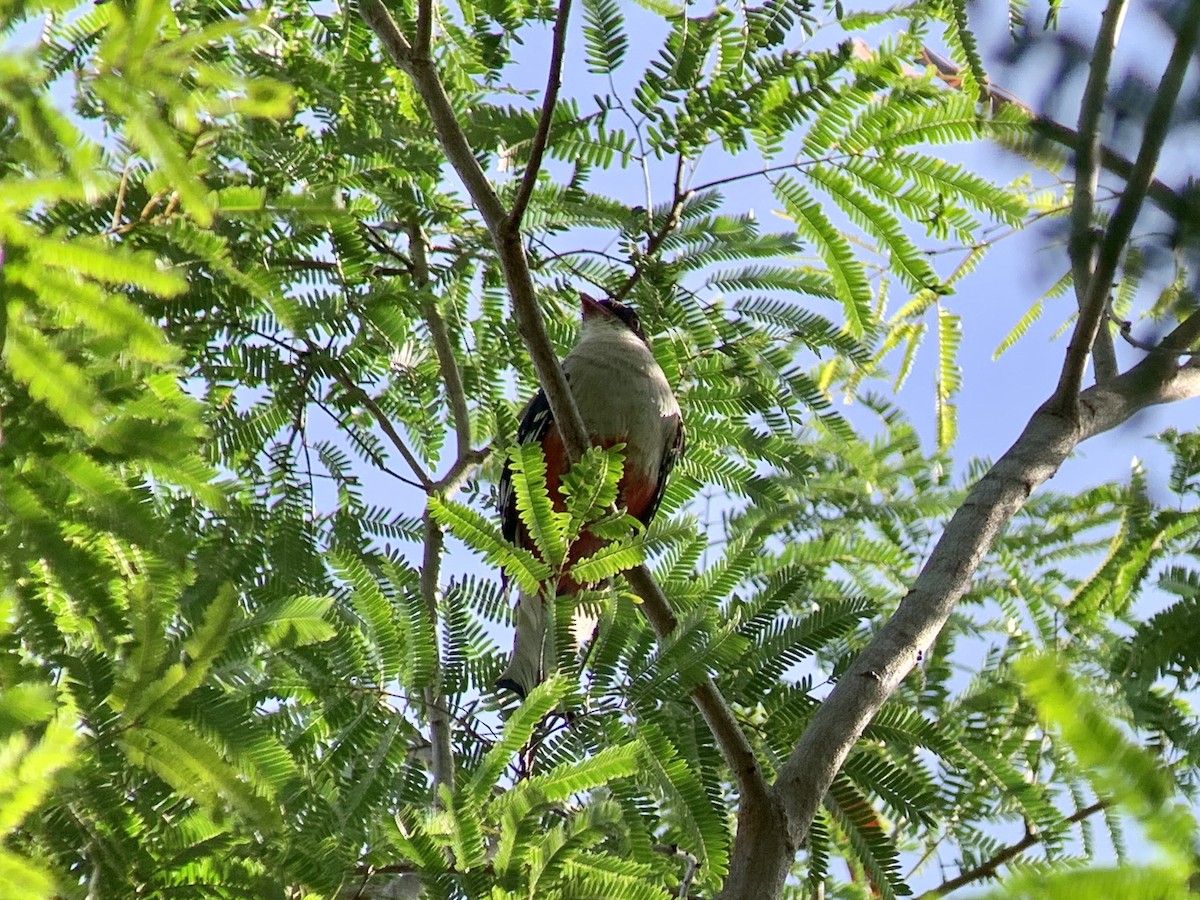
(623, 397)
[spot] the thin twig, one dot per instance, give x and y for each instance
(119, 204)
(691, 866)
(367, 451)
(989, 867)
(1126, 329)
(538, 149)
(447, 362)
(445, 120)
(1116, 236)
(1164, 197)
(670, 223)
(442, 763)
(1082, 243)
(509, 247)
(384, 423)
(324, 265)
(461, 469)
(757, 173)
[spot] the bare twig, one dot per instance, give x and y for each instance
(670, 223)
(756, 173)
(445, 122)
(1116, 236)
(447, 363)
(367, 451)
(384, 423)
(549, 101)
(119, 203)
(991, 866)
(691, 866)
(1087, 177)
(1176, 343)
(1164, 197)
(325, 265)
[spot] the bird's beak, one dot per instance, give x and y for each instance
(590, 306)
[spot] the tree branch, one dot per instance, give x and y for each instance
(325, 265)
(1116, 236)
(1170, 201)
(1087, 177)
(656, 240)
(442, 763)
(445, 120)
(989, 868)
(542, 136)
(381, 420)
(1049, 437)
(511, 252)
(507, 239)
(731, 740)
(447, 363)
(424, 28)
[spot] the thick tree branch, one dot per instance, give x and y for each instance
(538, 149)
(990, 867)
(1116, 236)
(1087, 178)
(840, 720)
(424, 28)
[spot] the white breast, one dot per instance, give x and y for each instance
(622, 392)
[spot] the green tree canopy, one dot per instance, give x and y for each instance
(275, 283)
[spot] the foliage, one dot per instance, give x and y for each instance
(257, 362)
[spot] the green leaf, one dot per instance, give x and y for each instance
(589, 487)
(27, 774)
(290, 622)
(606, 562)
(604, 36)
(516, 734)
(198, 653)
(49, 376)
(192, 766)
(849, 277)
(701, 830)
(1118, 768)
(527, 465)
(481, 535)
(949, 376)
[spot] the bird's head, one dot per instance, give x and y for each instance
(609, 310)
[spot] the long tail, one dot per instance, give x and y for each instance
(527, 667)
(533, 644)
